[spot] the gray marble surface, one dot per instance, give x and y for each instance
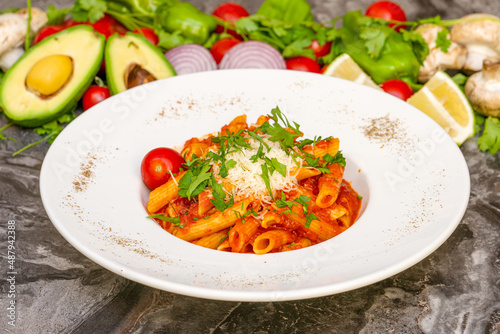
(58, 290)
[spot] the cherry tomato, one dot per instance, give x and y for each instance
(229, 12)
(71, 23)
(94, 95)
(302, 64)
(320, 50)
(387, 10)
(158, 164)
(45, 32)
(108, 26)
(148, 33)
(219, 49)
(398, 88)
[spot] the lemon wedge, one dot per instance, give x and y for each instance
(443, 101)
(345, 67)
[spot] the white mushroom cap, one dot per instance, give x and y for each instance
(13, 27)
(438, 60)
(483, 88)
(12, 31)
(38, 18)
(480, 37)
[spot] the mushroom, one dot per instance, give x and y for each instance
(13, 28)
(437, 60)
(483, 88)
(480, 34)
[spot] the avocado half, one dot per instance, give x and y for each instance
(23, 106)
(132, 60)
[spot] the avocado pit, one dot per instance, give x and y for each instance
(49, 75)
(135, 75)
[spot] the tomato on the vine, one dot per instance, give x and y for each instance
(387, 10)
(320, 50)
(397, 88)
(229, 12)
(45, 32)
(94, 95)
(148, 33)
(158, 165)
(219, 49)
(302, 63)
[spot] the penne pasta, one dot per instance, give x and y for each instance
(271, 240)
(257, 189)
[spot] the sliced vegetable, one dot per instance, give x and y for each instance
(51, 77)
(131, 60)
(219, 49)
(190, 58)
(301, 63)
(253, 54)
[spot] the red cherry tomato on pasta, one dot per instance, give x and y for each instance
(158, 165)
(387, 10)
(320, 50)
(219, 49)
(148, 33)
(302, 64)
(94, 95)
(397, 88)
(229, 12)
(45, 32)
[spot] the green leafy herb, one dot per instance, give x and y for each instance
(442, 40)
(89, 10)
(418, 44)
(374, 41)
(56, 16)
(219, 195)
(194, 181)
(337, 159)
(265, 176)
(490, 139)
(303, 200)
(176, 221)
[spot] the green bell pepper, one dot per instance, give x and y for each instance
(379, 50)
(186, 19)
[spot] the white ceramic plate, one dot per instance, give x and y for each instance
(413, 179)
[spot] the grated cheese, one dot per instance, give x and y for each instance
(246, 177)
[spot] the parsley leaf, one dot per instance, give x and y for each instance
(337, 159)
(56, 16)
(490, 139)
(89, 10)
(176, 221)
(374, 41)
(442, 40)
(418, 44)
(193, 183)
(265, 177)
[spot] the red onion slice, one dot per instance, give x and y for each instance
(190, 58)
(252, 54)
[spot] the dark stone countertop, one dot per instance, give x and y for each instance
(454, 290)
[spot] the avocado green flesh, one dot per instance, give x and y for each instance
(124, 52)
(24, 107)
